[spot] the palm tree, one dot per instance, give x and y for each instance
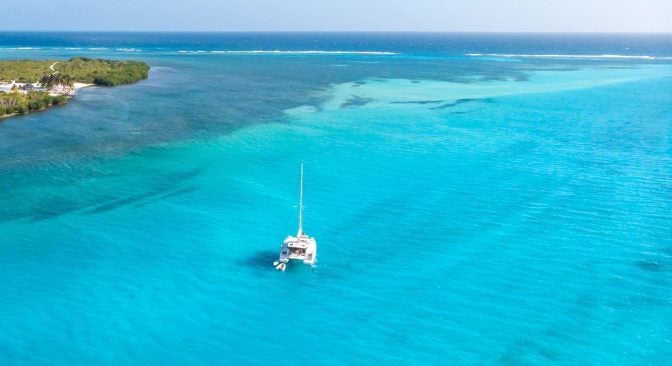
(47, 81)
(67, 82)
(57, 79)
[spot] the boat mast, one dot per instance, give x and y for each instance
(301, 204)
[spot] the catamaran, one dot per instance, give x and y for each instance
(301, 247)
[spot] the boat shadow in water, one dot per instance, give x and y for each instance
(261, 259)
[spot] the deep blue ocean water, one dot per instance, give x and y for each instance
(477, 200)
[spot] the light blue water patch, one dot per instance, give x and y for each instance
(481, 218)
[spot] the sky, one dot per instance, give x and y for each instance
(340, 15)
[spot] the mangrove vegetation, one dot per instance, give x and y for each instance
(79, 69)
(32, 85)
(16, 102)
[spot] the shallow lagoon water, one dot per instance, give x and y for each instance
(467, 211)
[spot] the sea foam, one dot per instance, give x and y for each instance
(289, 52)
(568, 56)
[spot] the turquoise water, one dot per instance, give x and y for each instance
(474, 201)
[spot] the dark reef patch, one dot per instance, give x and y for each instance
(356, 101)
(179, 192)
(54, 208)
(165, 187)
(418, 102)
(121, 202)
(167, 195)
(457, 102)
(559, 68)
(651, 265)
(494, 78)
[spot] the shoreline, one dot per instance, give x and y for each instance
(7, 88)
(68, 94)
(28, 86)
(2, 118)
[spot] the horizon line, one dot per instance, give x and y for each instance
(335, 31)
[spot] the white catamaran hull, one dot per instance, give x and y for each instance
(303, 248)
(300, 247)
